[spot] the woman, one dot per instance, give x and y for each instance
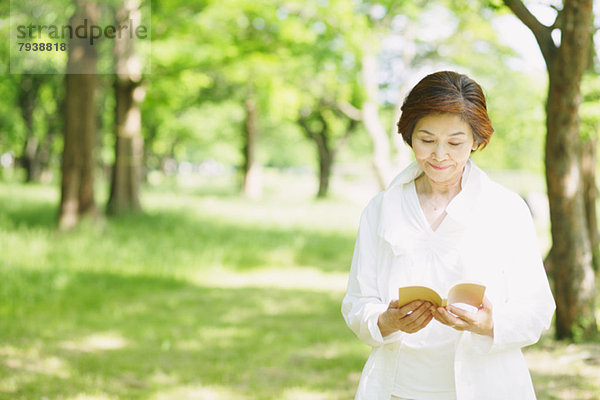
(441, 221)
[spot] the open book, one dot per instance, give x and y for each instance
(466, 293)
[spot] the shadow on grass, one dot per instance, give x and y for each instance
(564, 370)
(199, 241)
(179, 239)
(564, 387)
(23, 206)
(70, 333)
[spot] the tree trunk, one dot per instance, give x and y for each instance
(252, 186)
(571, 255)
(325, 149)
(54, 120)
(77, 186)
(326, 157)
(571, 248)
(30, 157)
(45, 154)
(370, 115)
(590, 193)
(151, 160)
(129, 143)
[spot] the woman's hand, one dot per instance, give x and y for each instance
(409, 318)
(479, 322)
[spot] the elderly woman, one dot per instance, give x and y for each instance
(441, 221)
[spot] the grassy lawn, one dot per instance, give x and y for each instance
(204, 296)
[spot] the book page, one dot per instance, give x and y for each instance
(467, 293)
(411, 293)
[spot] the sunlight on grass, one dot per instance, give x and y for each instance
(85, 396)
(303, 394)
(566, 371)
(290, 278)
(32, 361)
(196, 393)
(96, 342)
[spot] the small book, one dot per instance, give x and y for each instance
(466, 293)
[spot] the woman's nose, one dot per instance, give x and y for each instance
(440, 152)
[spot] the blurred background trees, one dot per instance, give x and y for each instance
(240, 87)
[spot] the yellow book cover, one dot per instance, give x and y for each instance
(467, 293)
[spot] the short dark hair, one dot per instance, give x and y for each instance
(447, 92)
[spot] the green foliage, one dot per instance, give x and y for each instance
(207, 56)
(12, 127)
(518, 117)
(283, 144)
(585, 329)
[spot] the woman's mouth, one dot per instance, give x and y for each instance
(439, 167)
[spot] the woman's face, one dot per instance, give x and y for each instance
(442, 144)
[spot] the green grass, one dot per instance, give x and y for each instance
(203, 296)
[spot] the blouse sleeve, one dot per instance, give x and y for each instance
(529, 306)
(362, 303)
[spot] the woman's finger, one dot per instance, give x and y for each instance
(486, 304)
(468, 317)
(423, 320)
(459, 312)
(419, 312)
(416, 319)
(418, 324)
(410, 308)
(443, 316)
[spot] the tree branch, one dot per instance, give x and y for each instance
(350, 111)
(542, 33)
(303, 122)
(344, 139)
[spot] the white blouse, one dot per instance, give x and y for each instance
(487, 236)
(434, 263)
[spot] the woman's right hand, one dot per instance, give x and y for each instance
(410, 318)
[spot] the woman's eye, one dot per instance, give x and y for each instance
(455, 144)
(426, 141)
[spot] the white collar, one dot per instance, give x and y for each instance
(461, 209)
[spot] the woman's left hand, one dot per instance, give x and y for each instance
(479, 322)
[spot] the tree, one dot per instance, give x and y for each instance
(40, 100)
(379, 20)
(319, 125)
(129, 93)
(252, 186)
(249, 29)
(78, 161)
(28, 101)
(39, 91)
(570, 257)
(323, 67)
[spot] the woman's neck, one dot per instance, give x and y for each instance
(437, 190)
